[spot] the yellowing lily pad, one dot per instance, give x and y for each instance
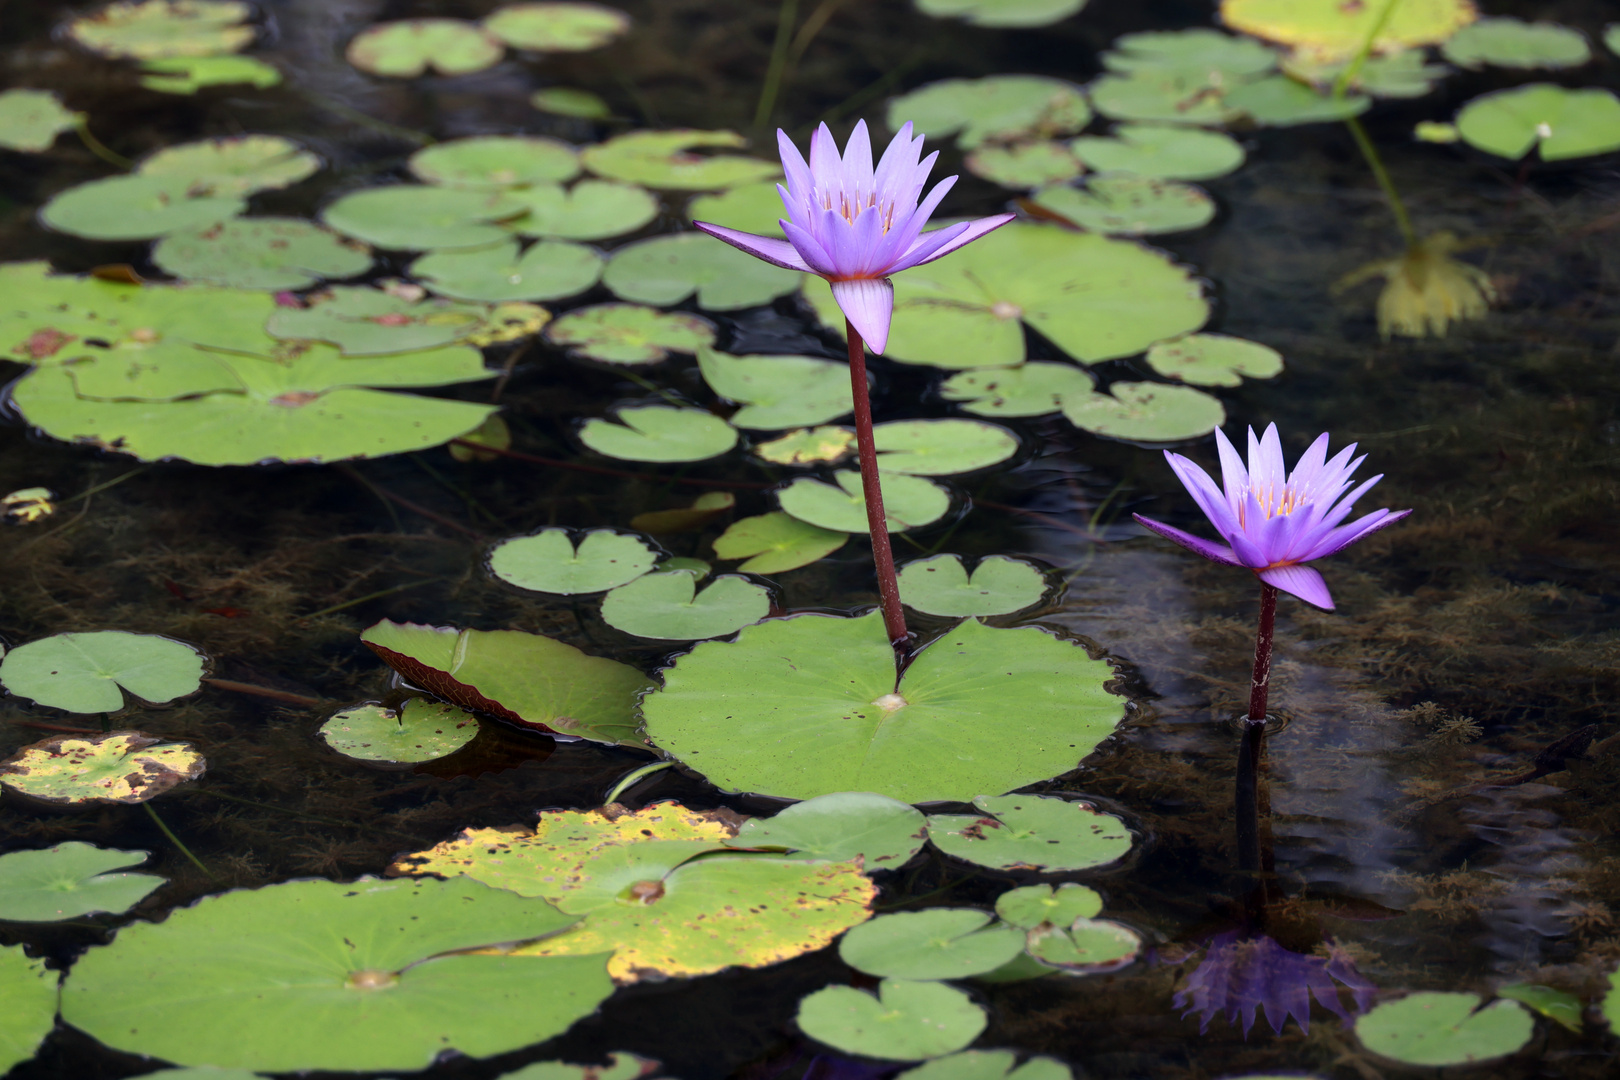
(493, 162)
(30, 120)
(1214, 360)
(664, 159)
(775, 542)
(1032, 389)
(1031, 832)
(119, 766)
(557, 27)
(421, 730)
(1146, 412)
(906, 1021)
(630, 333)
(809, 446)
(778, 391)
(549, 562)
(410, 47)
(939, 585)
(67, 881)
(659, 433)
(1333, 29)
(999, 108)
(260, 253)
(667, 269)
(909, 502)
(88, 672)
(239, 165)
(27, 1005)
(151, 29)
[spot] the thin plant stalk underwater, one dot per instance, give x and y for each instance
(854, 226)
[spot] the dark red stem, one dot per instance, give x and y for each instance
(1260, 681)
(894, 618)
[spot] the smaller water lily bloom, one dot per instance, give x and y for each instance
(854, 225)
(1274, 521)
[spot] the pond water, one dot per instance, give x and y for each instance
(1467, 639)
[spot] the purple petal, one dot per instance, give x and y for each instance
(899, 159)
(1309, 465)
(809, 248)
(778, 252)
(974, 230)
(1335, 514)
(826, 169)
(1360, 529)
(1266, 467)
(1234, 477)
(865, 239)
(868, 304)
(1204, 493)
(1209, 549)
(798, 173)
(922, 250)
(858, 161)
(1301, 581)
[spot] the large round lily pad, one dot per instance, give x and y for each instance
(260, 253)
(239, 165)
(590, 210)
(1124, 203)
(549, 561)
(135, 208)
(755, 208)
(668, 606)
(883, 832)
(1031, 832)
(778, 391)
(492, 162)
(1433, 1028)
(906, 1021)
(119, 766)
(1214, 360)
(630, 333)
(411, 217)
(30, 120)
(556, 26)
(87, 672)
(369, 976)
(1002, 13)
(410, 47)
(421, 730)
(1032, 389)
(980, 709)
(668, 269)
(941, 447)
(27, 1005)
(70, 880)
(774, 542)
(1563, 123)
(663, 159)
(151, 29)
(1163, 151)
(1003, 108)
(939, 943)
(940, 585)
(659, 433)
(909, 502)
(1146, 412)
(1331, 28)
(548, 270)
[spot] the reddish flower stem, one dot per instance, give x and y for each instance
(1260, 681)
(894, 618)
(1246, 808)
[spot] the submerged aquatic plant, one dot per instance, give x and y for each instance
(854, 226)
(1243, 973)
(1426, 289)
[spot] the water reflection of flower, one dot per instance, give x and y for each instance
(1244, 972)
(1426, 290)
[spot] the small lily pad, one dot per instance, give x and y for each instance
(189, 74)
(570, 101)
(1086, 947)
(1022, 166)
(260, 253)
(70, 880)
(1032, 389)
(663, 159)
(669, 607)
(778, 391)
(423, 730)
(371, 322)
(1162, 151)
(987, 1065)
(619, 1067)
(590, 210)
(411, 217)
(1278, 101)
(119, 766)
(1559, 1006)
(1000, 108)
(909, 502)
(774, 542)
(1434, 1028)
(556, 27)
(630, 333)
(234, 166)
(30, 120)
(1564, 123)
(939, 943)
(668, 269)
(1399, 75)
(409, 47)
(549, 562)
(548, 270)
(941, 447)
(1044, 905)
(1124, 203)
(1330, 28)
(1031, 832)
(494, 162)
(88, 672)
(151, 29)
(1002, 13)
(1146, 412)
(1611, 37)
(135, 208)
(659, 433)
(755, 208)
(906, 1021)
(824, 445)
(939, 585)
(883, 832)
(1609, 1007)
(27, 1005)
(1214, 360)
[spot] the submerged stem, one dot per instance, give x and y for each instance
(175, 840)
(1260, 681)
(787, 15)
(1376, 164)
(877, 523)
(99, 148)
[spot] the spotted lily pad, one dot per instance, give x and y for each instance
(987, 1065)
(980, 709)
(939, 585)
(778, 391)
(410, 47)
(906, 1021)
(239, 165)
(663, 159)
(1043, 905)
(669, 607)
(668, 269)
(1563, 123)
(909, 502)
(410, 217)
(659, 433)
(30, 120)
(1022, 166)
(1214, 360)
(119, 766)
(421, 730)
(1163, 151)
(371, 322)
(1032, 389)
(939, 943)
(1000, 108)
(590, 210)
(70, 880)
(1444, 1029)
(1002, 13)
(755, 208)
(1330, 28)
(88, 672)
(189, 74)
(522, 678)
(556, 27)
(547, 270)
(774, 542)
(1146, 412)
(1124, 203)
(1086, 947)
(493, 162)
(882, 831)
(549, 562)
(371, 975)
(27, 1005)
(630, 333)
(1278, 101)
(151, 29)
(260, 253)
(941, 447)
(827, 444)
(135, 208)
(1031, 832)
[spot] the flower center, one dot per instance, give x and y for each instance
(1272, 503)
(851, 205)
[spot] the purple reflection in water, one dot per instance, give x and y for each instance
(1244, 972)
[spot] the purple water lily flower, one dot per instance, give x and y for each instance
(1275, 521)
(1242, 974)
(854, 225)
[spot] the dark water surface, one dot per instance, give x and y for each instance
(1467, 639)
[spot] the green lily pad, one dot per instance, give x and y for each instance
(1165, 96)
(119, 766)
(549, 562)
(1611, 37)
(755, 208)
(774, 542)
(422, 730)
(371, 976)
(1399, 75)
(1335, 30)
(153, 29)
(939, 943)
(1000, 108)
(1433, 1028)
(1031, 832)
(189, 74)
(557, 27)
(202, 1072)
(980, 709)
(410, 217)
(939, 585)
(1124, 203)
(1163, 151)
(1032, 389)
(663, 159)
(1564, 123)
(1044, 905)
(1087, 947)
(410, 47)
(1557, 1005)
(1146, 412)
(630, 333)
(659, 433)
(590, 210)
(135, 208)
(1214, 360)
(668, 269)
(1278, 101)
(70, 880)
(1094, 297)
(619, 1067)
(906, 1021)
(839, 827)
(823, 445)
(494, 162)
(1609, 1007)
(260, 253)
(27, 1005)
(30, 120)
(89, 672)
(1002, 13)
(987, 1065)
(234, 166)
(522, 678)
(548, 270)
(667, 606)
(370, 322)
(941, 447)
(909, 502)
(1022, 166)
(571, 101)
(778, 391)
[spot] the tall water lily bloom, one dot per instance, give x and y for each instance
(1274, 521)
(855, 225)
